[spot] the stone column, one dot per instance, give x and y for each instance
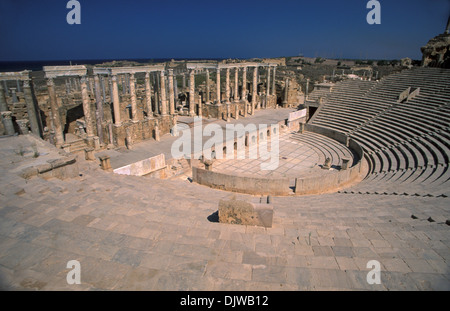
(255, 87)
(227, 86)
(116, 101)
(57, 127)
(244, 84)
(236, 84)
(268, 86)
(5, 87)
(184, 81)
(148, 96)
(274, 91)
(91, 84)
(18, 86)
(134, 117)
(218, 86)
(163, 95)
(6, 115)
(207, 86)
(110, 89)
(99, 110)
(31, 108)
(200, 113)
(171, 93)
(14, 95)
(286, 91)
(7, 122)
(307, 87)
(86, 108)
(175, 90)
(191, 93)
(102, 83)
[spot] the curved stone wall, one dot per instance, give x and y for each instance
(307, 185)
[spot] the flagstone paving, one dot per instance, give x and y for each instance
(134, 233)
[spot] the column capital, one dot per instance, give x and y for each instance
(50, 82)
(6, 114)
(26, 83)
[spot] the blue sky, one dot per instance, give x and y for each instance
(37, 30)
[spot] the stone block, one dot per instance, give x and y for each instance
(245, 213)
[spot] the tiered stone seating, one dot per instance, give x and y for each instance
(325, 147)
(404, 142)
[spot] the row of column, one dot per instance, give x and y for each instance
(6, 115)
(227, 95)
(166, 106)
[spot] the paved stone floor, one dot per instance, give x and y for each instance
(134, 233)
(155, 235)
(294, 159)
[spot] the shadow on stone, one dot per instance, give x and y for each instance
(214, 217)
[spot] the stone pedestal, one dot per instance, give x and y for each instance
(208, 164)
(301, 129)
(105, 163)
(96, 142)
(345, 164)
(327, 164)
(245, 213)
(89, 154)
(66, 147)
(156, 133)
(23, 126)
(7, 122)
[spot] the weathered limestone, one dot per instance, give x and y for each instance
(163, 94)
(345, 164)
(245, 213)
(31, 108)
(23, 126)
(105, 163)
(7, 122)
(14, 95)
(244, 84)
(191, 93)
(218, 100)
(268, 83)
(156, 133)
(56, 119)
(327, 164)
(227, 86)
(236, 85)
(116, 101)
(286, 92)
(89, 154)
(5, 114)
(171, 93)
(254, 93)
(134, 117)
(207, 98)
(148, 96)
(200, 113)
(274, 91)
(99, 110)
(87, 108)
